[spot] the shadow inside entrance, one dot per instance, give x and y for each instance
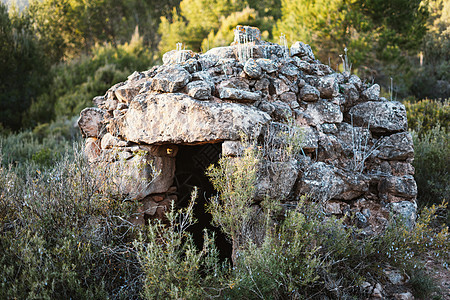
(191, 165)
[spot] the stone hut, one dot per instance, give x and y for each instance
(183, 115)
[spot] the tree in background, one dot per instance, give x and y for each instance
(432, 76)
(203, 24)
(23, 68)
(374, 31)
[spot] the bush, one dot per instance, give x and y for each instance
(432, 164)
(173, 267)
(61, 238)
(425, 114)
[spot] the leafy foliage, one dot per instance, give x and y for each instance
(432, 164)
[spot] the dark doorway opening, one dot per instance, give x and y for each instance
(191, 165)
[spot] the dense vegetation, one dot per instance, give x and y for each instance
(62, 236)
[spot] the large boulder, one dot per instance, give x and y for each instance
(380, 117)
(180, 119)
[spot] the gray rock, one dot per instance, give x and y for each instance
(403, 187)
(199, 90)
(90, 122)
(126, 93)
(356, 81)
(177, 56)
(171, 79)
(92, 149)
(372, 93)
(282, 111)
(221, 52)
(276, 179)
(406, 210)
(382, 117)
(350, 92)
(133, 174)
(109, 141)
(252, 69)
(302, 50)
(309, 93)
(328, 86)
(398, 146)
(280, 86)
(238, 95)
(262, 85)
(289, 97)
(323, 182)
(309, 138)
(323, 111)
(288, 69)
(232, 148)
(267, 65)
(180, 119)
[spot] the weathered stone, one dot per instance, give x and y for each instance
(309, 138)
(276, 179)
(235, 83)
(262, 85)
(221, 52)
(171, 79)
(92, 149)
(399, 168)
(177, 56)
(199, 90)
(328, 86)
(245, 34)
(323, 182)
(406, 210)
(323, 111)
(239, 95)
(289, 69)
(232, 148)
(90, 122)
(309, 93)
(404, 186)
(288, 97)
(381, 117)
(133, 174)
(99, 100)
(282, 111)
(280, 86)
(179, 119)
(322, 70)
(126, 93)
(267, 65)
(404, 296)
(252, 69)
(356, 81)
(109, 141)
(397, 146)
(350, 92)
(302, 50)
(372, 93)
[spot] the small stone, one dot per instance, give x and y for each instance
(404, 296)
(381, 117)
(289, 69)
(199, 90)
(309, 93)
(240, 95)
(267, 65)
(328, 86)
(302, 50)
(372, 93)
(289, 97)
(252, 69)
(232, 148)
(92, 149)
(90, 122)
(171, 79)
(377, 292)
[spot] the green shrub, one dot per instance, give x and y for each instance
(432, 164)
(425, 114)
(62, 237)
(173, 267)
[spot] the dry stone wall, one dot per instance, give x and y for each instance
(356, 150)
